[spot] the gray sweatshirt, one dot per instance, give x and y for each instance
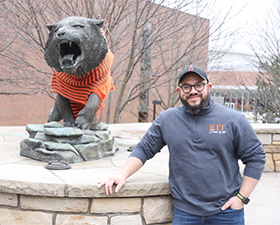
(204, 150)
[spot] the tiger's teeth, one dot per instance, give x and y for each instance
(70, 43)
(59, 47)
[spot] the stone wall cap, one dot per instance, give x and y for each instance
(82, 183)
(266, 128)
(20, 175)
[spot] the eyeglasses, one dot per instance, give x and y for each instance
(186, 88)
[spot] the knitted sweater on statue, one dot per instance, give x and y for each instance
(78, 89)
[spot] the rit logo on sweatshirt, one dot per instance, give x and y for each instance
(217, 129)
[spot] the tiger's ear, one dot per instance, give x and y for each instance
(50, 26)
(98, 23)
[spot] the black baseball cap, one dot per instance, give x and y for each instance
(193, 69)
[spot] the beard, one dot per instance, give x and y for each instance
(197, 108)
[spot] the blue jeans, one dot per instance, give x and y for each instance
(229, 216)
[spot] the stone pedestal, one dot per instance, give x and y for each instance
(52, 141)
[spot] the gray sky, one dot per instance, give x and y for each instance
(253, 15)
(248, 21)
(245, 16)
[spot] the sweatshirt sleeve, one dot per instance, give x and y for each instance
(249, 149)
(151, 143)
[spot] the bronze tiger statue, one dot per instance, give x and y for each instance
(78, 52)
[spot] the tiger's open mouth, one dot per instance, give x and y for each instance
(70, 53)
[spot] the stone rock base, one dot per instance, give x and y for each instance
(51, 141)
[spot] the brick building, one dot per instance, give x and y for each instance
(182, 42)
(234, 79)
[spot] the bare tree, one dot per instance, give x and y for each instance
(175, 39)
(266, 47)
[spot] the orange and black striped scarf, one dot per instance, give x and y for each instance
(77, 89)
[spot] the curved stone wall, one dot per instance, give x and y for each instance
(31, 194)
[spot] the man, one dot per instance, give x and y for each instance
(205, 141)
